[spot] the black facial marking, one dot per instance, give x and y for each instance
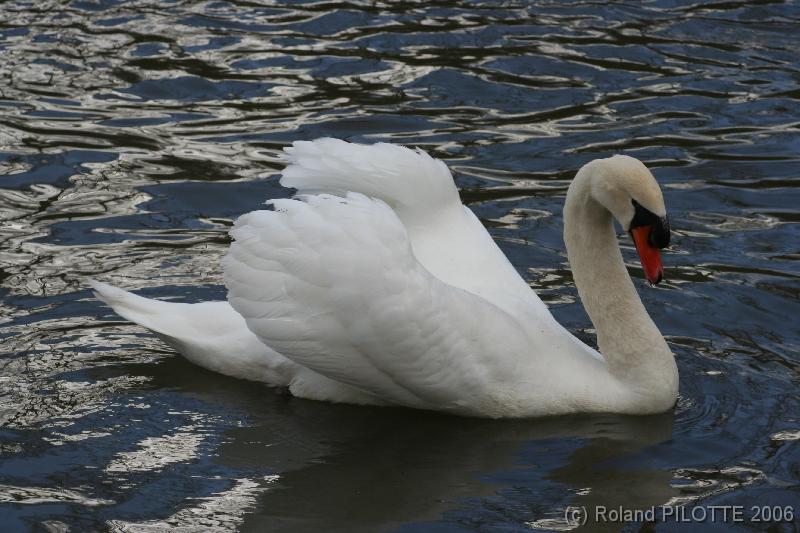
(659, 235)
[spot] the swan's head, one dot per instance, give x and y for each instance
(625, 187)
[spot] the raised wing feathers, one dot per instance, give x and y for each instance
(408, 180)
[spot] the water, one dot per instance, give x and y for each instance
(133, 133)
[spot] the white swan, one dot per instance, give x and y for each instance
(375, 285)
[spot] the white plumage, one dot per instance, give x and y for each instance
(374, 284)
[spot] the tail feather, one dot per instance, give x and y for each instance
(214, 336)
(130, 306)
(209, 334)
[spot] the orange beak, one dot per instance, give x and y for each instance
(648, 254)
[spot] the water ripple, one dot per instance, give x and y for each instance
(133, 133)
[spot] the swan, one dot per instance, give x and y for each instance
(375, 285)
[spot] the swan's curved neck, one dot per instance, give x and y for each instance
(632, 345)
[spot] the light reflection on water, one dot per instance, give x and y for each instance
(133, 133)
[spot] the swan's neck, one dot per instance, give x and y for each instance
(630, 342)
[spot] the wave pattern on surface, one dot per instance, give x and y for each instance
(133, 133)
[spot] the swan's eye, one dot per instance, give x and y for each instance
(659, 237)
(659, 233)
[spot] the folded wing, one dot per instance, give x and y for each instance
(332, 283)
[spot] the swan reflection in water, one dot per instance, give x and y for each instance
(422, 466)
(376, 468)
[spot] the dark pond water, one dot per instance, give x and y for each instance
(133, 133)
